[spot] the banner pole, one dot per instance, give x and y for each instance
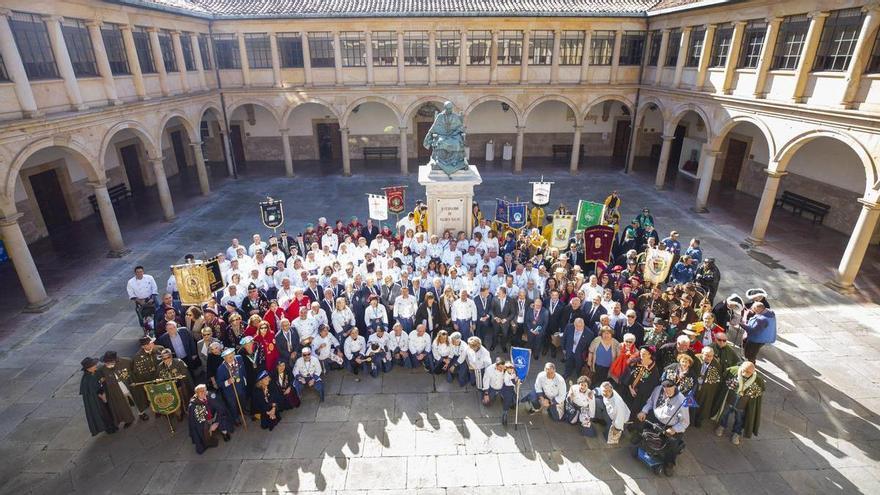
(238, 402)
(516, 411)
(169, 423)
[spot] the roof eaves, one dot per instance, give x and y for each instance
(382, 15)
(164, 8)
(689, 6)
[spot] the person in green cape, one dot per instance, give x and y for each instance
(744, 391)
(91, 388)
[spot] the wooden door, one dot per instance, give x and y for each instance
(179, 150)
(675, 151)
(329, 141)
(421, 131)
(132, 162)
(237, 146)
(733, 162)
(621, 138)
(50, 199)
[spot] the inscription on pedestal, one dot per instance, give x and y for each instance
(450, 214)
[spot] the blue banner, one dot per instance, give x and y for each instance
(501, 210)
(521, 357)
(517, 215)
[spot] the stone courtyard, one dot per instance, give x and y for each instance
(408, 432)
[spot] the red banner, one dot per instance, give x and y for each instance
(396, 203)
(598, 241)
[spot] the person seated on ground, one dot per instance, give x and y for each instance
(355, 349)
(281, 387)
(264, 403)
(420, 348)
(612, 410)
(327, 349)
(665, 408)
(398, 347)
(441, 352)
(499, 381)
(549, 393)
(458, 349)
(377, 351)
(307, 373)
(580, 406)
(208, 419)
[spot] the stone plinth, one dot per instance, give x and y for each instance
(449, 198)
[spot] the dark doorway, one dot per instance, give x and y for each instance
(621, 138)
(329, 142)
(675, 151)
(421, 131)
(132, 163)
(179, 150)
(50, 199)
(733, 162)
(237, 139)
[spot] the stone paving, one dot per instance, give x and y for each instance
(407, 432)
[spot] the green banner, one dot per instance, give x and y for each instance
(164, 397)
(588, 214)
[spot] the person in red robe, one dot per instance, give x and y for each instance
(266, 338)
(273, 315)
(300, 300)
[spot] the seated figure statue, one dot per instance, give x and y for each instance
(446, 140)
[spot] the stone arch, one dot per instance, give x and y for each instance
(317, 101)
(71, 144)
(187, 124)
(619, 98)
(680, 111)
(653, 100)
(346, 115)
(517, 113)
(788, 150)
(411, 110)
(578, 117)
(728, 126)
(266, 106)
(210, 106)
(150, 146)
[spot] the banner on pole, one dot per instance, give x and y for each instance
(657, 265)
(521, 357)
(272, 213)
(395, 196)
(541, 193)
(598, 241)
(588, 214)
(501, 210)
(215, 275)
(164, 397)
(193, 283)
(561, 231)
(517, 215)
(378, 207)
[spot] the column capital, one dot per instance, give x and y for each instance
(160, 160)
(10, 219)
(712, 153)
(687, 29)
(667, 138)
(739, 24)
(774, 20)
(125, 27)
(578, 126)
(4, 12)
(818, 14)
(175, 32)
(711, 27)
(403, 128)
(273, 34)
(197, 144)
(152, 29)
(868, 204)
(51, 18)
(94, 23)
(665, 31)
(284, 131)
(521, 128)
(774, 174)
(872, 7)
(98, 183)
(343, 130)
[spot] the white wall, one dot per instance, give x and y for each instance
(77, 173)
(373, 118)
(829, 161)
(550, 116)
(758, 150)
(489, 117)
(652, 121)
(300, 121)
(264, 122)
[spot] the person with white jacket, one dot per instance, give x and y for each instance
(420, 348)
(500, 381)
(549, 392)
(398, 347)
(355, 350)
(478, 359)
(307, 373)
(377, 351)
(458, 350)
(327, 349)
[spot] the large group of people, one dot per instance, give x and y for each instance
(363, 300)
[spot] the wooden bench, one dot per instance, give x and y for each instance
(565, 150)
(802, 204)
(380, 152)
(117, 194)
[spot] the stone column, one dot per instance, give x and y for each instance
(31, 283)
(661, 56)
(808, 55)
(276, 60)
(108, 219)
(245, 64)
(733, 56)
(307, 58)
(765, 207)
(663, 164)
(706, 55)
(462, 58)
(493, 58)
(615, 56)
(518, 157)
(178, 54)
(337, 58)
(575, 149)
(288, 156)
(524, 63)
(158, 60)
(197, 56)
(554, 57)
(368, 40)
(15, 69)
(861, 52)
(230, 166)
(682, 55)
(162, 188)
(432, 58)
(62, 60)
(766, 59)
(404, 152)
(134, 65)
(201, 168)
(585, 59)
(401, 67)
(708, 171)
(346, 157)
(857, 245)
(103, 63)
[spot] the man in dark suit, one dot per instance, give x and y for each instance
(632, 326)
(182, 345)
(503, 315)
(555, 308)
(285, 242)
(575, 342)
(314, 291)
(328, 303)
(287, 343)
(536, 326)
(418, 291)
(570, 312)
(594, 311)
(370, 231)
(483, 301)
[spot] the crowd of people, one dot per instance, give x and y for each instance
(354, 297)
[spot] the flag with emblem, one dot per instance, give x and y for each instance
(588, 214)
(395, 197)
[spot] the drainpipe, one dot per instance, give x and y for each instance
(633, 134)
(228, 143)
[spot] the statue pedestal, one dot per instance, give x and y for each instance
(449, 199)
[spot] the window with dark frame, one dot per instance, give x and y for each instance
(479, 47)
(721, 45)
(321, 49)
(571, 48)
(790, 42)
(226, 53)
(205, 51)
(79, 47)
(695, 47)
(874, 60)
(509, 47)
(115, 48)
(142, 46)
(4, 75)
(541, 48)
(415, 48)
(601, 47)
(632, 48)
(673, 45)
(32, 39)
(752, 44)
(448, 47)
(353, 46)
(838, 41)
(654, 49)
(167, 47)
(259, 53)
(384, 48)
(189, 61)
(290, 50)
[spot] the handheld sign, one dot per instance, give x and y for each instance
(272, 213)
(521, 357)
